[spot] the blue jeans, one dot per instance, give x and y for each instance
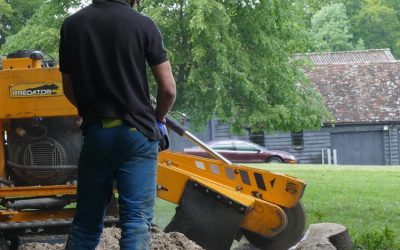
(129, 158)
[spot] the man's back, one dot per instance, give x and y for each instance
(106, 46)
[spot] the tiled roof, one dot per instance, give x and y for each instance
(362, 56)
(359, 92)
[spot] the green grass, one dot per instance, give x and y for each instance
(366, 199)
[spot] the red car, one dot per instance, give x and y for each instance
(243, 151)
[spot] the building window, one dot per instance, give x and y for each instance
(297, 139)
(257, 138)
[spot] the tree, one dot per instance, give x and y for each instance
(231, 61)
(311, 7)
(331, 29)
(379, 26)
(21, 12)
(41, 32)
(5, 13)
(374, 23)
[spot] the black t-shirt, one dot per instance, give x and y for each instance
(104, 47)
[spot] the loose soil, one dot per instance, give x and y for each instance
(110, 237)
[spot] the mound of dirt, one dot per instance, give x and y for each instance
(110, 237)
(41, 246)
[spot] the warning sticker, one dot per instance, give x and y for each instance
(291, 187)
(35, 90)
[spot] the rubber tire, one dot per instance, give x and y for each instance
(3, 244)
(274, 159)
(288, 237)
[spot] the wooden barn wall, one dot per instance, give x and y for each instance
(214, 130)
(314, 141)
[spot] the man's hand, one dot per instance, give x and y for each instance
(162, 128)
(164, 141)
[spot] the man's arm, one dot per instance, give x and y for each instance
(166, 89)
(67, 86)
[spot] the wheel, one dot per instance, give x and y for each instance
(288, 237)
(274, 159)
(3, 243)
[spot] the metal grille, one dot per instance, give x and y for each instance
(44, 153)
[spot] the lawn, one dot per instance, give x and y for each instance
(366, 199)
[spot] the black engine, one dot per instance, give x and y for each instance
(43, 151)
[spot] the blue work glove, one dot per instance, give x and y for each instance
(164, 141)
(162, 128)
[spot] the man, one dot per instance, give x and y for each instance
(103, 51)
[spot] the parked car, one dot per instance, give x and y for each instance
(243, 151)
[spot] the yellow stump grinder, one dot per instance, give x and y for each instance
(218, 202)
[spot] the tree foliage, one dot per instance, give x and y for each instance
(6, 12)
(231, 61)
(331, 29)
(374, 22)
(379, 26)
(41, 31)
(20, 11)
